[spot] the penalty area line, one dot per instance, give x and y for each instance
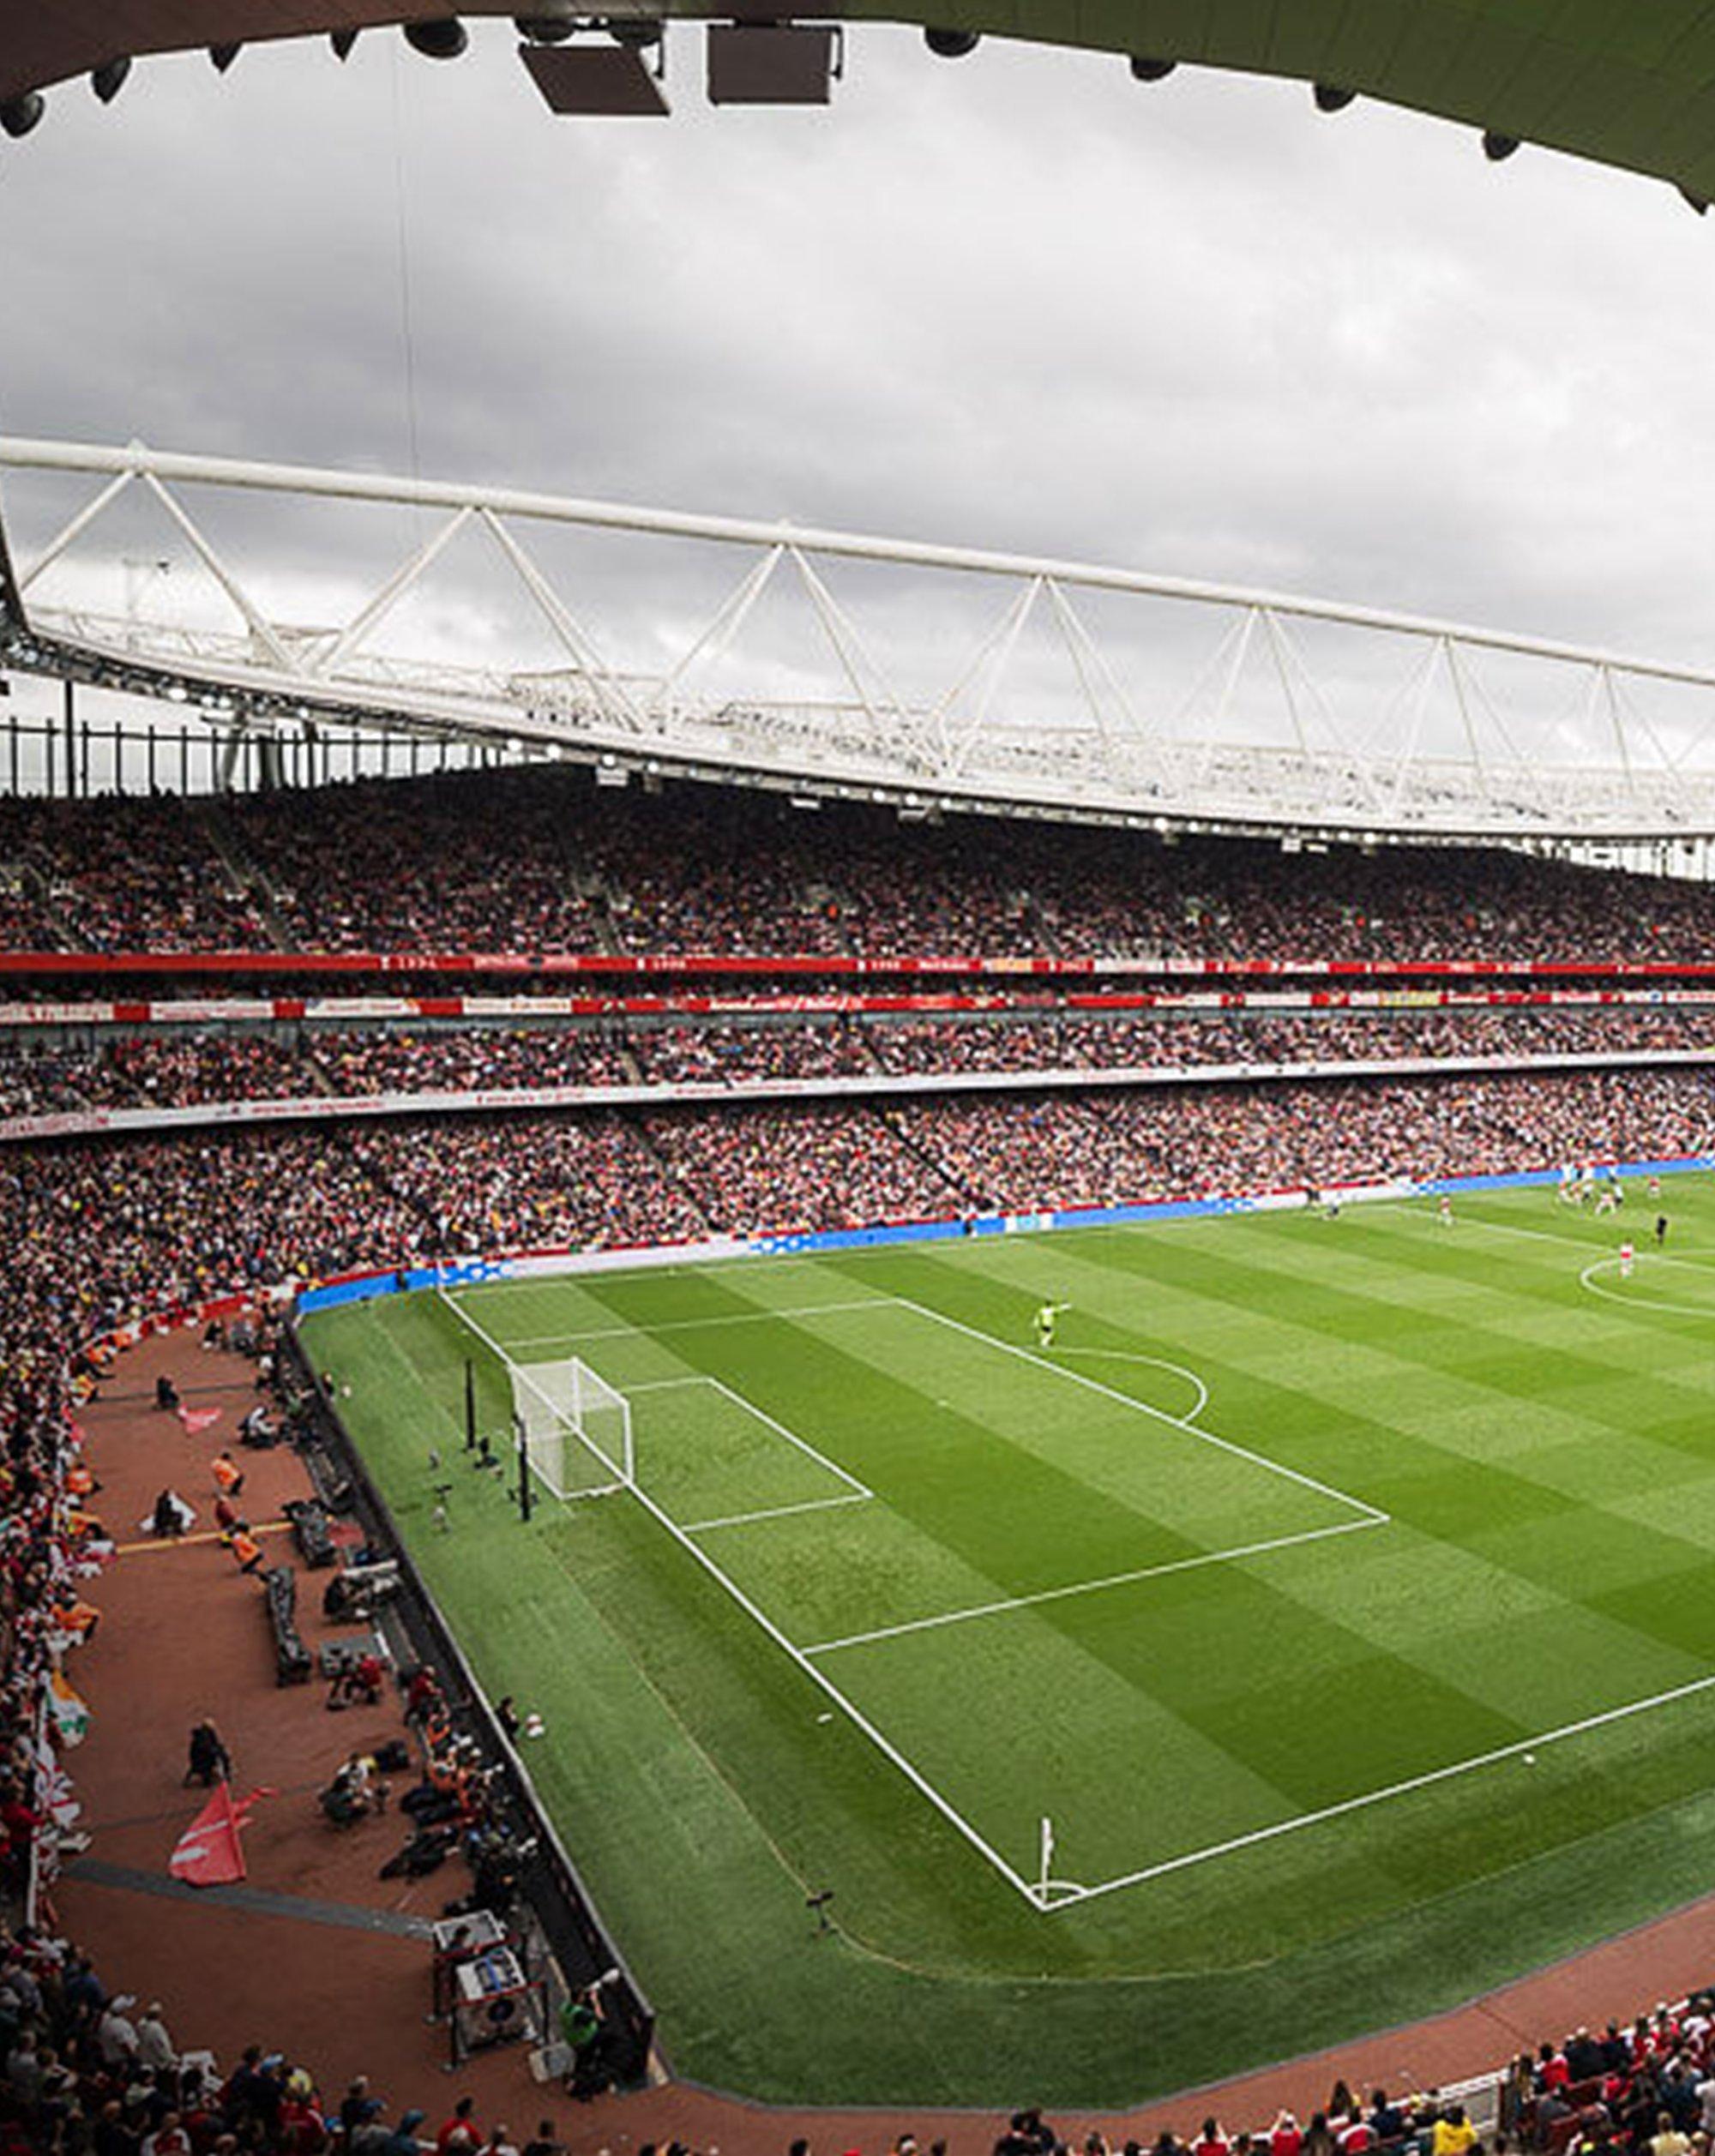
(1372, 1513)
(1350, 1804)
(1094, 1587)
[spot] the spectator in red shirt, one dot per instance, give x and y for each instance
(1285, 2137)
(460, 2136)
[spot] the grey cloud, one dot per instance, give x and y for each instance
(1020, 302)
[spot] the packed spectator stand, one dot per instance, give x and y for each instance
(542, 860)
(105, 1230)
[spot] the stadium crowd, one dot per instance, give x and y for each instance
(172, 1071)
(101, 1231)
(181, 1218)
(480, 861)
(541, 859)
(118, 875)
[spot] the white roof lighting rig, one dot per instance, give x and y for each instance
(1406, 728)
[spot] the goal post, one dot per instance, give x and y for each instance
(572, 1427)
(576, 1427)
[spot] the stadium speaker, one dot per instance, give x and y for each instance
(1144, 70)
(223, 55)
(342, 41)
(1498, 148)
(1330, 98)
(445, 38)
(20, 115)
(951, 45)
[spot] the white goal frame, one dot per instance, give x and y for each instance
(554, 1405)
(539, 1418)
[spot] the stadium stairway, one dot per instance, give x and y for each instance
(967, 1194)
(66, 938)
(249, 882)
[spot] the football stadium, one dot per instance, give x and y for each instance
(879, 1354)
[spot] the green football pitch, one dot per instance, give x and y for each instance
(1341, 1592)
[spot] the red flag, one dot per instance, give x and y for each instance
(195, 1418)
(209, 1852)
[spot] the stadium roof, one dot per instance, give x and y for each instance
(1629, 83)
(1221, 707)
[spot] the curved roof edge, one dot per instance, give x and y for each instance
(1609, 81)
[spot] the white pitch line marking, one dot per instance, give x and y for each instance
(654, 1384)
(1156, 1362)
(854, 1713)
(1628, 1301)
(691, 1324)
(791, 1437)
(778, 1512)
(1536, 1234)
(1142, 1407)
(1394, 1789)
(1092, 1587)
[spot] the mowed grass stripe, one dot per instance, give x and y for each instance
(1613, 1561)
(1623, 1664)
(1440, 1889)
(1302, 1644)
(952, 1483)
(1424, 1375)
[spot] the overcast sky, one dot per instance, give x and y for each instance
(1019, 301)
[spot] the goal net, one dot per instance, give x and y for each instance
(576, 1429)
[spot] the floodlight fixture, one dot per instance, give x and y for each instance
(1145, 69)
(109, 78)
(442, 38)
(605, 80)
(18, 116)
(1331, 96)
(772, 63)
(1498, 148)
(543, 29)
(223, 55)
(951, 45)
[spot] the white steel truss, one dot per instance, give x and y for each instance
(1534, 738)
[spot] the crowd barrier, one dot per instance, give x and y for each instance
(471, 1271)
(132, 1013)
(307, 964)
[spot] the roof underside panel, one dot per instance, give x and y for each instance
(1626, 82)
